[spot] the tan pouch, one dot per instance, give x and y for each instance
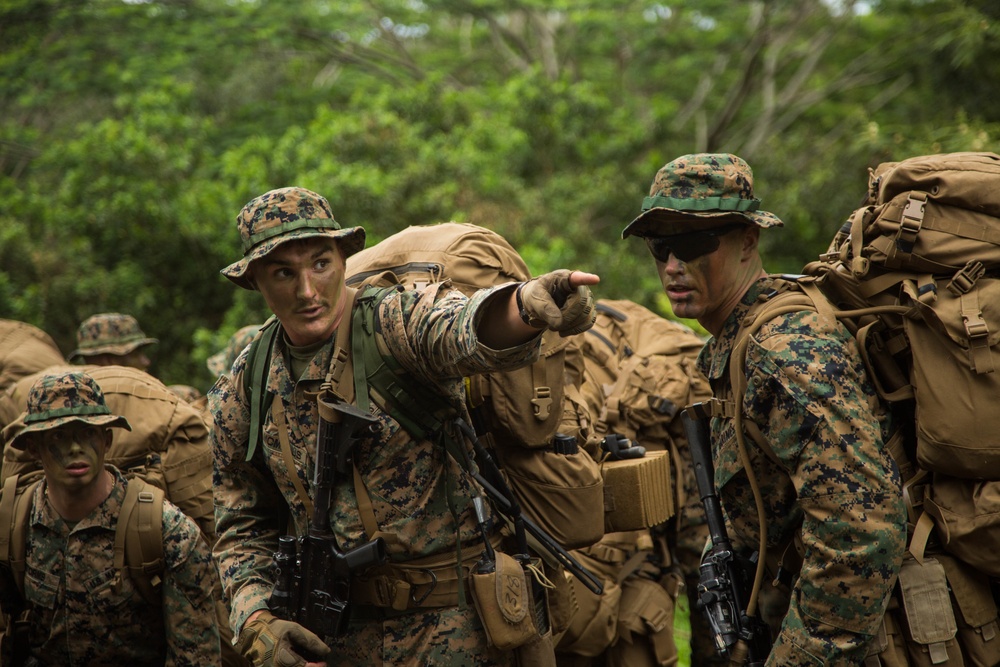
(929, 619)
(503, 600)
(976, 616)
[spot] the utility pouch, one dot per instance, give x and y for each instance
(503, 600)
(646, 616)
(976, 615)
(929, 621)
(888, 647)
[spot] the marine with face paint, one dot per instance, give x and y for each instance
(812, 422)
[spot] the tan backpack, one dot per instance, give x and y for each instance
(913, 274)
(168, 445)
(24, 349)
(518, 413)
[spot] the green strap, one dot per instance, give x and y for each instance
(256, 368)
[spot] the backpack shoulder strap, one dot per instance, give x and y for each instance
(255, 374)
(139, 538)
(15, 513)
(419, 411)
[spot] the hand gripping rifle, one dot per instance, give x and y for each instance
(313, 582)
(725, 579)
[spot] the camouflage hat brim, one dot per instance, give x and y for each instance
(14, 434)
(646, 222)
(350, 240)
(120, 349)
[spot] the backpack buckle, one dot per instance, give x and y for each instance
(911, 221)
(966, 278)
(542, 403)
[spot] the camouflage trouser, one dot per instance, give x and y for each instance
(446, 636)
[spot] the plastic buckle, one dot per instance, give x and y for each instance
(966, 278)
(542, 403)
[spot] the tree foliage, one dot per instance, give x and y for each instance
(132, 131)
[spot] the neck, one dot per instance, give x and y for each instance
(75, 505)
(715, 322)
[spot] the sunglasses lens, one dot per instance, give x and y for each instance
(684, 247)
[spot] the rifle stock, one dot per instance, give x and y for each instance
(726, 578)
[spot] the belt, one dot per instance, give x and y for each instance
(428, 582)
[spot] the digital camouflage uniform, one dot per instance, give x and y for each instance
(109, 333)
(810, 396)
(831, 479)
(420, 497)
(84, 611)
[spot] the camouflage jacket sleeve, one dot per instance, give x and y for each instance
(189, 612)
(249, 509)
(810, 396)
(432, 333)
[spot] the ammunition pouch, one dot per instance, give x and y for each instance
(942, 613)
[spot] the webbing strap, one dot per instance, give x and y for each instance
(7, 517)
(978, 333)
(278, 414)
(255, 374)
(124, 517)
(144, 540)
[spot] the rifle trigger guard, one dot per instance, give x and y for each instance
(433, 585)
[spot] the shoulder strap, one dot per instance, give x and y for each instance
(15, 513)
(139, 538)
(419, 411)
(256, 368)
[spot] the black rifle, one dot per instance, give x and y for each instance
(725, 578)
(313, 582)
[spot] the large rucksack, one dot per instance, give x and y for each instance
(24, 349)
(913, 274)
(518, 413)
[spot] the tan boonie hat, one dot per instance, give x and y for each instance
(281, 215)
(222, 362)
(703, 185)
(58, 399)
(109, 333)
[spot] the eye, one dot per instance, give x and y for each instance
(322, 263)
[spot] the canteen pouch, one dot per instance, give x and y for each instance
(503, 600)
(928, 619)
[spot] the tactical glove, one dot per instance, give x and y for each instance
(268, 641)
(619, 447)
(549, 301)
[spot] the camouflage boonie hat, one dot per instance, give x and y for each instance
(61, 398)
(109, 333)
(281, 215)
(222, 362)
(703, 185)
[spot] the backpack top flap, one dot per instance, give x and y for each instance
(472, 257)
(966, 180)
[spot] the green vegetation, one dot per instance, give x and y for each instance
(132, 131)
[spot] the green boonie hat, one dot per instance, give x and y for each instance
(61, 398)
(281, 215)
(222, 362)
(703, 185)
(109, 333)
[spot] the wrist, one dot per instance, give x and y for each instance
(520, 305)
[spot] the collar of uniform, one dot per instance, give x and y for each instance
(104, 515)
(714, 358)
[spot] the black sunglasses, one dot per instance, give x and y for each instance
(690, 245)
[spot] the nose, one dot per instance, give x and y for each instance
(305, 290)
(673, 266)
